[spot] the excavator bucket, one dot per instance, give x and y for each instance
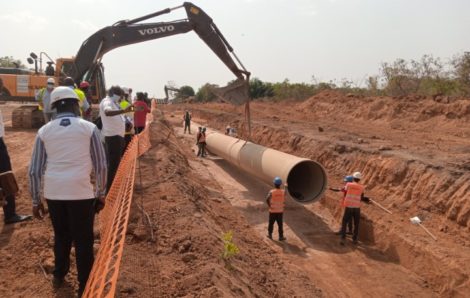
(236, 92)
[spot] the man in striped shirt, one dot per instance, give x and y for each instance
(65, 152)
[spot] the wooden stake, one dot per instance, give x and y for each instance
(380, 206)
(427, 231)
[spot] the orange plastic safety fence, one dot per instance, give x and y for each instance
(114, 218)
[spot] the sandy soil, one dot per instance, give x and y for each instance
(413, 152)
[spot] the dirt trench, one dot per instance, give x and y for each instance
(401, 180)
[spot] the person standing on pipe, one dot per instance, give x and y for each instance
(352, 203)
(276, 199)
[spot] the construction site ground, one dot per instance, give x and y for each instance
(413, 152)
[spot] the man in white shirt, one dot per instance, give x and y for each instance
(7, 193)
(43, 97)
(113, 130)
(65, 152)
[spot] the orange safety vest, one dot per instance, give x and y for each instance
(202, 138)
(278, 197)
(352, 199)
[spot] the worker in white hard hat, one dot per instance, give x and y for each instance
(43, 97)
(65, 152)
(354, 194)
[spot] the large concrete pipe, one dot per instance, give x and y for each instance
(306, 179)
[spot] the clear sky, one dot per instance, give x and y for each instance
(275, 39)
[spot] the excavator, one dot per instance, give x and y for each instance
(87, 66)
(178, 97)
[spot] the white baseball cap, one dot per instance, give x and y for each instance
(50, 81)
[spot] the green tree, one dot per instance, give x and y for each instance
(260, 89)
(186, 91)
(461, 72)
(9, 61)
(205, 94)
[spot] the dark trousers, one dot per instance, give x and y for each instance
(114, 151)
(188, 126)
(349, 225)
(275, 217)
(9, 210)
(73, 223)
(127, 140)
(138, 129)
(201, 151)
(351, 214)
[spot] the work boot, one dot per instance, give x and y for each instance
(282, 238)
(354, 241)
(17, 218)
(270, 236)
(341, 242)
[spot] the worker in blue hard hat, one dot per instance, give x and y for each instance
(276, 199)
(346, 179)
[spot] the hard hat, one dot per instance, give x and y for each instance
(84, 84)
(62, 92)
(348, 178)
(357, 175)
(125, 90)
(50, 81)
(277, 181)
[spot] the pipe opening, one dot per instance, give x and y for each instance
(306, 181)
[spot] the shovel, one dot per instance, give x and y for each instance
(416, 221)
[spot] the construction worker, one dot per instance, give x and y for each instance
(83, 103)
(124, 103)
(187, 121)
(276, 199)
(85, 88)
(198, 143)
(352, 203)
(141, 110)
(346, 179)
(113, 129)
(202, 142)
(64, 154)
(43, 97)
(8, 185)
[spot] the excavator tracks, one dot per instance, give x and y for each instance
(28, 116)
